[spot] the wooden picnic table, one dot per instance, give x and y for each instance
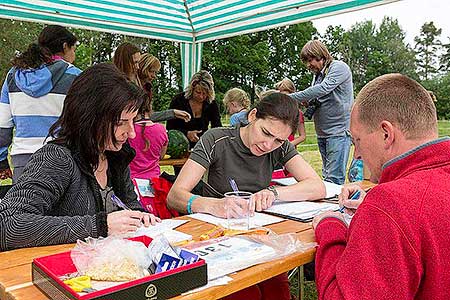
(179, 162)
(15, 265)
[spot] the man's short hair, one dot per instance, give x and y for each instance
(315, 49)
(400, 100)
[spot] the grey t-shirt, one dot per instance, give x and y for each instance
(224, 155)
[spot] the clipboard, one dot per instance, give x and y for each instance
(288, 217)
(301, 211)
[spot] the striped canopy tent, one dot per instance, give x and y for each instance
(190, 22)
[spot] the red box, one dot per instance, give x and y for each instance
(46, 271)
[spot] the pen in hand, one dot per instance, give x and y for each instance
(354, 196)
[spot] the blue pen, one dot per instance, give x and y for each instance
(354, 196)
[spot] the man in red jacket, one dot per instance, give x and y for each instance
(397, 245)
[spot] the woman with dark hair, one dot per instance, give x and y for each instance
(248, 154)
(71, 188)
(197, 100)
(33, 95)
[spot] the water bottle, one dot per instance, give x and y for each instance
(355, 172)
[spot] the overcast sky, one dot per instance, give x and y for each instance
(411, 15)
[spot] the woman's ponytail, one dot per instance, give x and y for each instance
(33, 57)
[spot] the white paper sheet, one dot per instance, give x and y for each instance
(257, 220)
(166, 228)
(332, 188)
(301, 210)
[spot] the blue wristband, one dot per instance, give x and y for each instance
(189, 203)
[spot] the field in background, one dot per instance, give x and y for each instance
(310, 151)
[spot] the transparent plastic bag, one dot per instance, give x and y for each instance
(230, 254)
(111, 259)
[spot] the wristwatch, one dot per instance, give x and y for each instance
(273, 189)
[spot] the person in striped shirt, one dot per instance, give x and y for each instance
(33, 94)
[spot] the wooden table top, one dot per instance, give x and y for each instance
(173, 161)
(15, 265)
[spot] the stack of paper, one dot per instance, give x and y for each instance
(302, 211)
(332, 189)
(165, 228)
(257, 220)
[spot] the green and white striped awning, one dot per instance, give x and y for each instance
(186, 21)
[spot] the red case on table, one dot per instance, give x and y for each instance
(46, 271)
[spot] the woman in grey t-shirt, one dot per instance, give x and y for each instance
(248, 154)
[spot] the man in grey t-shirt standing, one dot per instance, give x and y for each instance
(329, 100)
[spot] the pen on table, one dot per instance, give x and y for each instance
(354, 196)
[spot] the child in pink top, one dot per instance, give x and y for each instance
(150, 144)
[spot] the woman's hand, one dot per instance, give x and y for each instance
(5, 174)
(263, 199)
(181, 114)
(351, 204)
(125, 221)
(193, 135)
(231, 207)
(150, 219)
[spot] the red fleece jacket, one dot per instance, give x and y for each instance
(398, 243)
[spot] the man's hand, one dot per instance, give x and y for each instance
(193, 135)
(351, 204)
(5, 174)
(327, 214)
(304, 103)
(181, 114)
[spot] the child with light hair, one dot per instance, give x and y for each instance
(237, 103)
(285, 86)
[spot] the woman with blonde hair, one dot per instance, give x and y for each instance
(237, 103)
(198, 100)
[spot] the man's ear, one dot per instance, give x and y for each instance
(388, 132)
(252, 115)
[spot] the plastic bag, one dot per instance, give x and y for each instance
(226, 255)
(111, 259)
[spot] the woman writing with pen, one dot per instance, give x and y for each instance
(79, 185)
(248, 154)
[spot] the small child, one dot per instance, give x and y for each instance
(237, 103)
(286, 86)
(150, 144)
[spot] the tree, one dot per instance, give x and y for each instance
(15, 37)
(427, 46)
(440, 86)
(445, 58)
(258, 59)
(370, 51)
